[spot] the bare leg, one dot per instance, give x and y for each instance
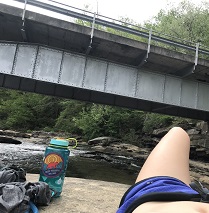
(169, 158)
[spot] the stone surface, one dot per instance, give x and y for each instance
(160, 132)
(4, 139)
(203, 126)
(104, 141)
(85, 196)
(193, 132)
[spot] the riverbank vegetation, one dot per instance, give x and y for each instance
(28, 111)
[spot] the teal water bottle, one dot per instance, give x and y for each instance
(55, 163)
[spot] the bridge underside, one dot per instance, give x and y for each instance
(31, 85)
(49, 71)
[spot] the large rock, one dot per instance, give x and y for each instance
(193, 132)
(160, 132)
(104, 141)
(42, 134)
(4, 139)
(14, 134)
(203, 126)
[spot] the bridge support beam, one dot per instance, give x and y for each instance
(56, 72)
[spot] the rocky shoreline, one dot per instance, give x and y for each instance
(109, 150)
(131, 157)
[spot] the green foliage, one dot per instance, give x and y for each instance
(131, 137)
(22, 110)
(124, 21)
(186, 22)
(109, 121)
(66, 120)
(155, 121)
(91, 121)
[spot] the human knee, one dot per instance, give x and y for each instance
(179, 130)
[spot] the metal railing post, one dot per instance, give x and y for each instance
(23, 22)
(196, 54)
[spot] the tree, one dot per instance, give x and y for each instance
(186, 21)
(102, 120)
(70, 110)
(21, 110)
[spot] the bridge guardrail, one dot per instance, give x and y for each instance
(173, 43)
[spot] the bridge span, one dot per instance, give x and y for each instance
(54, 57)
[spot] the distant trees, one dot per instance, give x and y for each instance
(28, 111)
(186, 21)
(21, 110)
(102, 120)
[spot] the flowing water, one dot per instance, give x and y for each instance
(29, 156)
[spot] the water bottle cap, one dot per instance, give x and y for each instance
(59, 142)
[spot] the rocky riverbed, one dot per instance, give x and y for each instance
(29, 153)
(105, 158)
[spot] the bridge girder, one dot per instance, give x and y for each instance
(36, 68)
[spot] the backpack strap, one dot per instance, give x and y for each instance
(32, 208)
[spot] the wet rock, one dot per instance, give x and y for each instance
(104, 141)
(201, 152)
(14, 133)
(197, 137)
(122, 148)
(184, 124)
(203, 126)
(134, 167)
(88, 155)
(42, 134)
(99, 148)
(120, 154)
(147, 141)
(159, 132)
(198, 142)
(4, 139)
(193, 132)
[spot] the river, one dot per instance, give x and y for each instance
(29, 156)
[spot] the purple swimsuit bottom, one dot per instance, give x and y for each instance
(160, 188)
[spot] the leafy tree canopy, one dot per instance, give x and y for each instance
(186, 21)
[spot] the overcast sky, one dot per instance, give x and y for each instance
(138, 10)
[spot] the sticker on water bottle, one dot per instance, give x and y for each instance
(53, 165)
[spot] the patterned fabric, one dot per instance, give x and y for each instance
(160, 188)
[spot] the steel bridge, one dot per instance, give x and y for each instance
(52, 56)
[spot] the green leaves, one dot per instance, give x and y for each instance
(25, 111)
(186, 21)
(154, 121)
(109, 121)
